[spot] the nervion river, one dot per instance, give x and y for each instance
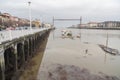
(67, 59)
(96, 36)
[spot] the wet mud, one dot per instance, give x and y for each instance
(71, 72)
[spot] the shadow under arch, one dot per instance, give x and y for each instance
(26, 50)
(20, 55)
(9, 58)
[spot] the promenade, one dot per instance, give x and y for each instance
(71, 59)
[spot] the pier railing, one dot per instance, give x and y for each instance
(9, 35)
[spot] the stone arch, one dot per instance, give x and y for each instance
(26, 50)
(20, 55)
(9, 58)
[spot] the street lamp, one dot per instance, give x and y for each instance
(29, 3)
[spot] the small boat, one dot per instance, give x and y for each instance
(110, 50)
(66, 33)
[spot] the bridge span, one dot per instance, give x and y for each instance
(16, 48)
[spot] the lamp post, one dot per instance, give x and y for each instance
(29, 3)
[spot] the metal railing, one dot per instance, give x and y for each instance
(9, 35)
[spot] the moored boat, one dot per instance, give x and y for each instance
(110, 50)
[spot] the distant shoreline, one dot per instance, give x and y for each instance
(96, 28)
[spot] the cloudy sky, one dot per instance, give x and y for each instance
(90, 10)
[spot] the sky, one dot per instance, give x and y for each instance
(90, 10)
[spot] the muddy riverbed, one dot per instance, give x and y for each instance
(67, 59)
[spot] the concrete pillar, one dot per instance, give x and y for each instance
(28, 54)
(23, 58)
(2, 64)
(25, 50)
(15, 55)
(36, 42)
(33, 47)
(30, 47)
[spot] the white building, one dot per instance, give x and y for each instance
(93, 24)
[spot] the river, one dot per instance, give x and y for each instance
(72, 51)
(96, 36)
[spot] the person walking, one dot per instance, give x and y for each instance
(86, 51)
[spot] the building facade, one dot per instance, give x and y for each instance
(111, 24)
(7, 20)
(92, 24)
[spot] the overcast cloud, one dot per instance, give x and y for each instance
(90, 10)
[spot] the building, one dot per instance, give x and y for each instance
(7, 20)
(100, 25)
(4, 20)
(111, 24)
(84, 25)
(36, 23)
(93, 24)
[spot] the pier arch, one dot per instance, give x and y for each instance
(20, 55)
(10, 66)
(26, 50)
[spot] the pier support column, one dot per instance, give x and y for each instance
(30, 48)
(20, 55)
(34, 44)
(2, 64)
(15, 54)
(26, 49)
(23, 53)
